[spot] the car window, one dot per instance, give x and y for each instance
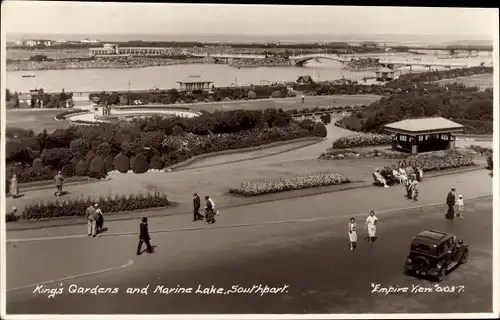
(441, 249)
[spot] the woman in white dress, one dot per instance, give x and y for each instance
(371, 224)
(353, 236)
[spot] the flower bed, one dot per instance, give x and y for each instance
(362, 140)
(480, 150)
(441, 160)
(255, 188)
(77, 207)
(339, 154)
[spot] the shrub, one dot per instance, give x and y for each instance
(276, 94)
(140, 164)
(291, 94)
(307, 124)
(98, 168)
(121, 163)
(11, 217)
(77, 207)
(81, 168)
(108, 161)
(326, 118)
(90, 156)
(103, 149)
(255, 188)
(156, 162)
(25, 173)
(489, 161)
(362, 140)
(12, 133)
(68, 169)
(252, 95)
(319, 130)
(37, 164)
(56, 157)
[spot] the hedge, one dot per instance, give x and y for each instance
(77, 207)
(362, 140)
(121, 163)
(140, 164)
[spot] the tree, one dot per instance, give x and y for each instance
(140, 164)
(122, 163)
(319, 130)
(98, 167)
(56, 157)
(81, 168)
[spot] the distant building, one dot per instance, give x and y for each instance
(305, 80)
(195, 83)
(33, 42)
(384, 74)
(90, 41)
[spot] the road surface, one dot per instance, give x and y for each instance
(308, 262)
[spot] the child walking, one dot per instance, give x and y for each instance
(353, 237)
(460, 207)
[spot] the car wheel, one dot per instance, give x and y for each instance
(465, 256)
(441, 274)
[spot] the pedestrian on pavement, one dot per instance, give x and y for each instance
(302, 98)
(450, 202)
(91, 220)
(14, 188)
(414, 188)
(371, 224)
(460, 207)
(144, 236)
(210, 210)
(196, 208)
(99, 218)
(59, 183)
(353, 236)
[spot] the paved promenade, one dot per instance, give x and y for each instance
(310, 256)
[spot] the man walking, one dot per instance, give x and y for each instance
(450, 201)
(91, 220)
(196, 208)
(144, 236)
(59, 183)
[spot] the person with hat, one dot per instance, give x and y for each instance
(460, 207)
(144, 236)
(450, 202)
(99, 218)
(59, 183)
(196, 207)
(210, 210)
(91, 220)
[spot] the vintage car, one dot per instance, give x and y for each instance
(434, 254)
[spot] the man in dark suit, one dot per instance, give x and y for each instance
(144, 236)
(450, 202)
(196, 208)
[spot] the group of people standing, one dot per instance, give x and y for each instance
(451, 202)
(210, 211)
(95, 220)
(408, 177)
(370, 224)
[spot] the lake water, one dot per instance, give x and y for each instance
(166, 77)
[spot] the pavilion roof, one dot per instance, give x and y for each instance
(424, 124)
(385, 70)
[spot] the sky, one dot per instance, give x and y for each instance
(45, 17)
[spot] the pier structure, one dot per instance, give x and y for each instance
(113, 50)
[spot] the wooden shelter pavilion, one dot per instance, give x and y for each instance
(424, 134)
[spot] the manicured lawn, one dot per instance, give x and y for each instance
(44, 119)
(483, 81)
(37, 120)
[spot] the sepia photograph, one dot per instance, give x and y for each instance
(253, 160)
